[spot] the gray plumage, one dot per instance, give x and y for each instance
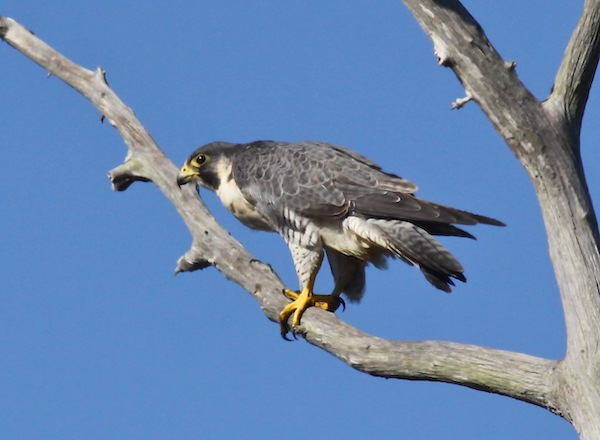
(322, 197)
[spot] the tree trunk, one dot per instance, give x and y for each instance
(544, 137)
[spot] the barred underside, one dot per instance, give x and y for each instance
(305, 244)
(412, 244)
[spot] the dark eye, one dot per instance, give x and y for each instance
(200, 159)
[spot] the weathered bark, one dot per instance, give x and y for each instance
(543, 136)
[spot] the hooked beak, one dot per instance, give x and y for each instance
(186, 175)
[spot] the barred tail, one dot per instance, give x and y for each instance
(418, 247)
(412, 244)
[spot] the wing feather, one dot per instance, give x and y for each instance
(322, 180)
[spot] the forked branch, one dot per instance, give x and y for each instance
(545, 137)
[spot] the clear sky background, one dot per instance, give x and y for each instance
(98, 339)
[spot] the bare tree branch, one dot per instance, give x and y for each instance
(574, 78)
(520, 376)
(542, 140)
(545, 139)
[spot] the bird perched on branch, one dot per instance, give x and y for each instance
(326, 199)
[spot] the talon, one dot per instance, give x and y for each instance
(300, 303)
(284, 333)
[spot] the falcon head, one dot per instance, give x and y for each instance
(191, 169)
(207, 166)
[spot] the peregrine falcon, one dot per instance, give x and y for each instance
(323, 198)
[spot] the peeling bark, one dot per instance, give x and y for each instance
(544, 137)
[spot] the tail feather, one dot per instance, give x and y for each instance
(417, 247)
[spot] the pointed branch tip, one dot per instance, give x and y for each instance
(510, 65)
(461, 102)
(184, 265)
(125, 174)
(101, 74)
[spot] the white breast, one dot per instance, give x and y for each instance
(233, 199)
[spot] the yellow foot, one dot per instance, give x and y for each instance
(300, 303)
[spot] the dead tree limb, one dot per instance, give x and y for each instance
(545, 137)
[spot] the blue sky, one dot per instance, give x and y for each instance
(99, 340)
